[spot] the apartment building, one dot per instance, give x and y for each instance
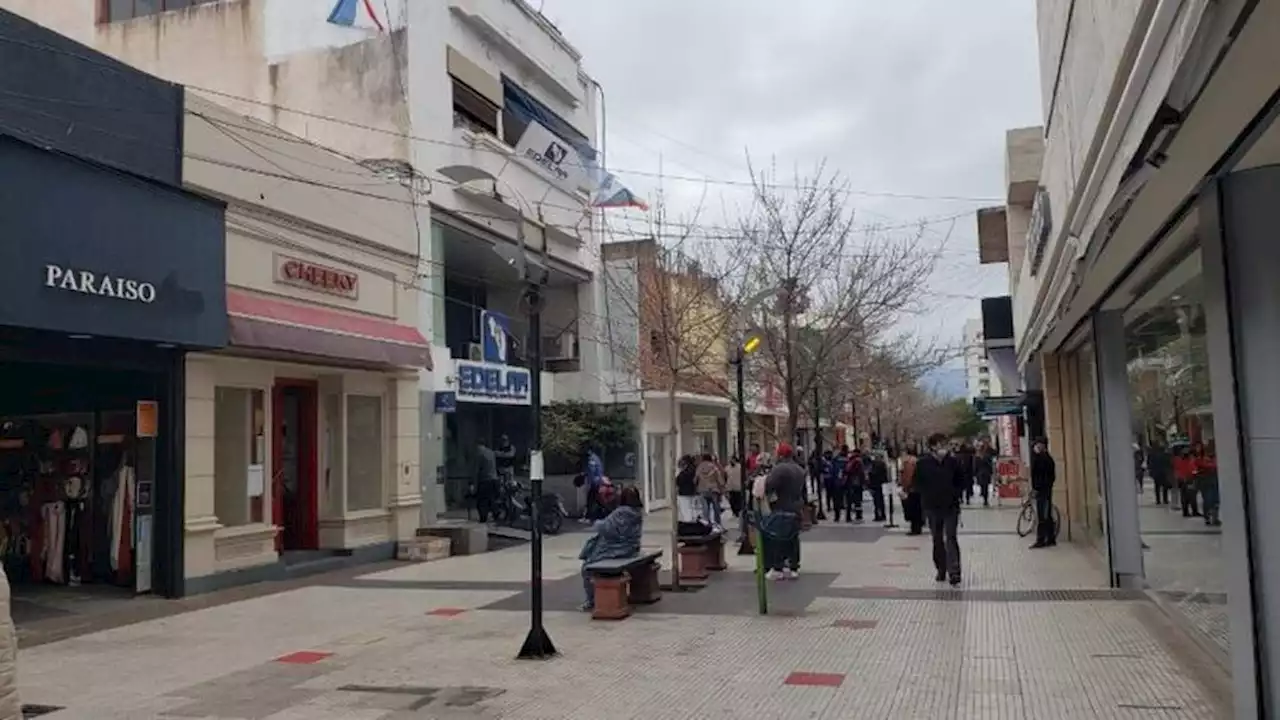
(979, 381)
(483, 111)
(1141, 305)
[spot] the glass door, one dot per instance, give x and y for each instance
(658, 472)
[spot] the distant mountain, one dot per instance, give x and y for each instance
(945, 382)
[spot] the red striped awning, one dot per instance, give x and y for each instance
(261, 322)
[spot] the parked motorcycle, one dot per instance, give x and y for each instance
(514, 508)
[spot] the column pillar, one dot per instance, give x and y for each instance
(1116, 424)
(1055, 432)
(1238, 217)
(200, 521)
(405, 501)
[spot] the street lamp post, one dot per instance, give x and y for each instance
(537, 643)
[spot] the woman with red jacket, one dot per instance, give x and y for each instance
(1184, 470)
(1205, 473)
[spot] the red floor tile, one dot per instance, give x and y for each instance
(852, 624)
(812, 679)
(447, 612)
(305, 657)
(895, 564)
(907, 548)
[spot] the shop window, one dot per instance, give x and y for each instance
(364, 453)
(472, 110)
(239, 456)
(119, 10)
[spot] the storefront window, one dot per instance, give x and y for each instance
(364, 453)
(1175, 464)
(239, 447)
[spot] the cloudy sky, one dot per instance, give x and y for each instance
(906, 98)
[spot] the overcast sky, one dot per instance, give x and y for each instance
(908, 97)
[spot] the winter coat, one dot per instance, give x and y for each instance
(787, 485)
(939, 482)
(686, 483)
(879, 473)
(733, 478)
(982, 468)
(10, 708)
(1044, 471)
(709, 478)
(617, 536)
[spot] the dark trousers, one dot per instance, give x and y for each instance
(944, 524)
(781, 536)
(735, 502)
(486, 496)
(1045, 531)
(841, 502)
(913, 513)
(984, 487)
(1190, 504)
(1162, 490)
(877, 501)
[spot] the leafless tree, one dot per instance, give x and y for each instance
(680, 291)
(842, 288)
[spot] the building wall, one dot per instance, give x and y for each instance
(979, 378)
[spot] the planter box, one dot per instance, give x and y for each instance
(424, 548)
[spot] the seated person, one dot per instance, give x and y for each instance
(616, 536)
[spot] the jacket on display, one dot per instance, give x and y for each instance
(10, 707)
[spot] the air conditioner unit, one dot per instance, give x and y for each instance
(475, 351)
(560, 347)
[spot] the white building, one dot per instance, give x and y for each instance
(979, 381)
(438, 98)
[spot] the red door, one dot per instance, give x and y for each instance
(295, 498)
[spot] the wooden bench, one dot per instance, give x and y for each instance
(700, 554)
(622, 582)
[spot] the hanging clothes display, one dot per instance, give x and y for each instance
(54, 522)
(122, 521)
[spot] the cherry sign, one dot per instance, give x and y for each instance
(293, 271)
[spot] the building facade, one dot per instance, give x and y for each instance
(112, 277)
(1142, 308)
(481, 109)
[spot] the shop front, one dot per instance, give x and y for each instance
(106, 282)
(702, 426)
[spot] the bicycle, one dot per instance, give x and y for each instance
(1028, 519)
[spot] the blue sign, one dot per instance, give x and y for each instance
(493, 383)
(446, 402)
(495, 336)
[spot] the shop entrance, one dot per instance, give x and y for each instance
(78, 484)
(294, 485)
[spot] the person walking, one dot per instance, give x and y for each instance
(486, 481)
(1044, 472)
(965, 459)
(780, 529)
(941, 486)
(593, 475)
(910, 496)
(687, 489)
(838, 486)
(855, 479)
(1205, 472)
(1160, 468)
(878, 478)
(1184, 468)
(710, 487)
(733, 484)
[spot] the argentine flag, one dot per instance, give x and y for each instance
(357, 14)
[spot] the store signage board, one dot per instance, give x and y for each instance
(313, 276)
(87, 282)
(998, 406)
(553, 157)
(479, 382)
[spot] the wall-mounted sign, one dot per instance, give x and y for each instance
(446, 402)
(495, 329)
(491, 383)
(148, 419)
(321, 278)
(553, 157)
(87, 282)
(1039, 227)
(997, 406)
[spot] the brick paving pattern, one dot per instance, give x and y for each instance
(1029, 635)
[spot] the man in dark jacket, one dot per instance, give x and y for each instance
(1160, 468)
(940, 483)
(780, 529)
(983, 470)
(877, 479)
(1044, 472)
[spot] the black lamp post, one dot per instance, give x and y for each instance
(537, 644)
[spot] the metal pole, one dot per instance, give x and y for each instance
(853, 421)
(879, 435)
(744, 544)
(817, 453)
(537, 644)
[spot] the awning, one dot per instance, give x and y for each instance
(260, 322)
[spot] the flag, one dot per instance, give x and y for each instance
(357, 14)
(611, 193)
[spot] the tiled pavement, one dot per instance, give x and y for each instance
(864, 634)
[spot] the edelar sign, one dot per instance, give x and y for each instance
(87, 282)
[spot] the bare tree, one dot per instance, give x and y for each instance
(681, 291)
(841, 288)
